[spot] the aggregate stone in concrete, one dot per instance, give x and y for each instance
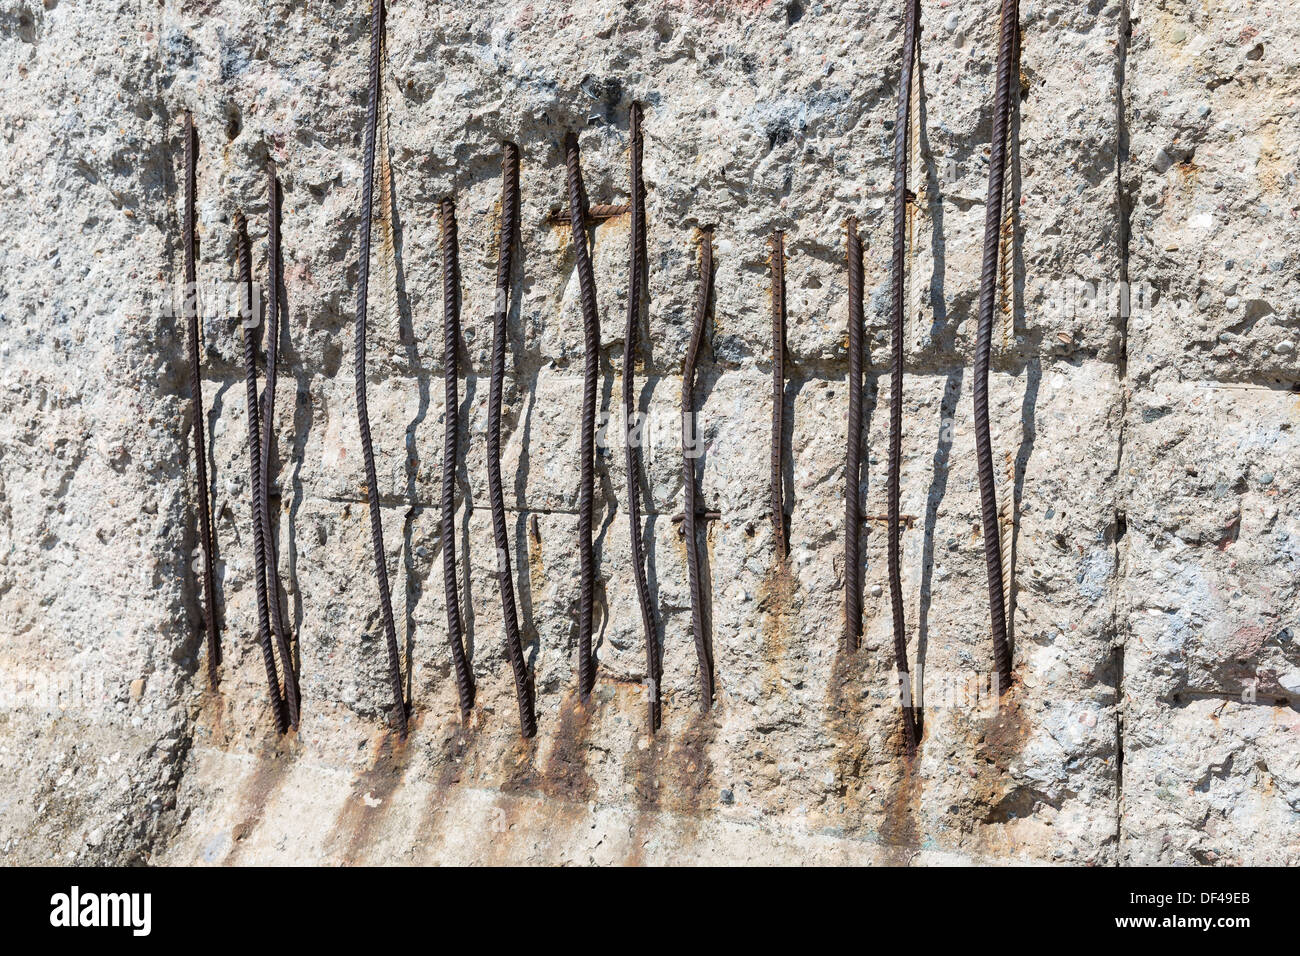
(1211, 185)
(1211, 664)
(1144, 504)
(1208, 477)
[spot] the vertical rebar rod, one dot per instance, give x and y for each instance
(983, 343)
(278, 627)
(637, 277)
(191, 306)
(853, 450)
(591, 368)
(901, 134)
(244, 268)
(780, 530)
(691, 450)
(363, 415)
(509, 224)
(451, 428)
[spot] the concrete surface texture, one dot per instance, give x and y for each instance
(1145, 435)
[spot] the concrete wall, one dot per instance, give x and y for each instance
(1146, 455)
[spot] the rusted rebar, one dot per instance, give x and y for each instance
(853, 451)
(244, 269)
(191, 310)
(908, 520)
(363, 415)
(509, 225)
(637, 276)
(699, 515)
(984, 338)
(780, 529)
(899, 277)
(1007, 235)
(596, 212)
(691, 450)
(587, 452)
(278, 626)
(451, 428)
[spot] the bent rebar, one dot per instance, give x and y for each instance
(901, 139)
(267, 410)
(363, 415)
(451, 427)
(196, 400)
(983, 343)
(637, 276)
(591, 366)
(691, 451)
(244, 269)
(509, 225)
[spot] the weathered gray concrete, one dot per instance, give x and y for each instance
(1145, 453)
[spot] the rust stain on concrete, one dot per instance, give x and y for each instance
(901, 828)
(688, 774)
(847, 728)
(274, 760)
(997, 741)
(776, 595)
(371, 796)
(641, 772)
(565, 776)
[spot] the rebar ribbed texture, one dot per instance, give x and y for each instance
(509, 225)
(363, 415)
(191, 308)
(899, 277)
(984, 341)
(278, 627)
(451, 428)
(853, 450)
(591, 368)
(780, 530)
(637, 275)
(691, 449)
(244, 269)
